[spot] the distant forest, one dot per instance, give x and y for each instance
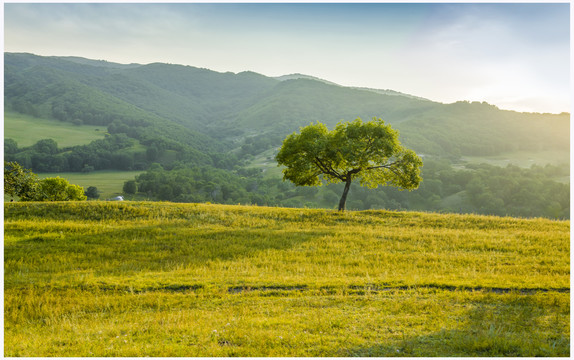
(194, 134)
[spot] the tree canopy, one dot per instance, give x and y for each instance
(25, 184)
(366, 151)
(19, 181)
(58, 189)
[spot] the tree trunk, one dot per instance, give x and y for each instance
(343, 200)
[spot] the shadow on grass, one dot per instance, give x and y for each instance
(146, 248)
(513, 327)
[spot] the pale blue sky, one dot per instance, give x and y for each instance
(516, 56)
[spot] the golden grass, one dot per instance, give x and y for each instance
(162, 279)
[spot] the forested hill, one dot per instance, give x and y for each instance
(214, 111)
(202, 135)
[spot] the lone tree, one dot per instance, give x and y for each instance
(367, 151)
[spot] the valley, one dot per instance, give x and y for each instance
(161, 121)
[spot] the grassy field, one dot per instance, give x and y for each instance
(161, 279)
(523, 159)
(110, 183)
(27, 130)
(266, 162)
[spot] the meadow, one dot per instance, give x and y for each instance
(524, 159)
(165, 279)
(26, 130)
(110, 183)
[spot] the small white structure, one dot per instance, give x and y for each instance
(117, 198)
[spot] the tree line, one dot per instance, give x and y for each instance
(480, 189)
(112, 152)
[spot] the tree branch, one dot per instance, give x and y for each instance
(327, 169)
(314, 175)
(386, 166)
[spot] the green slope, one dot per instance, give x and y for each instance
(432, 128)
(74, 93)
(199, 98)
(27, 130)
(228, 106)
(158, 279)
(293, 103)
(480, 129)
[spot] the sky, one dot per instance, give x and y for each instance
(512, 55)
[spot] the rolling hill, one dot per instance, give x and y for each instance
(161, 279)
(183, 117)
(131, 278)
(222, 106)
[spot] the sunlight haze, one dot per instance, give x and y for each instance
(515, 56)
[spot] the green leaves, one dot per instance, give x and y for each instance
(304, 153)
(370, 152)
(25, 184)
(58, 189)
(19, 181)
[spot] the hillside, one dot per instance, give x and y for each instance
(203, 135)
(85, 94)
(158, 279)
(224, 105)
(27, 130)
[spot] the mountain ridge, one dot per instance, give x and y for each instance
(115, 65)
(226, 107)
